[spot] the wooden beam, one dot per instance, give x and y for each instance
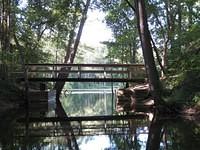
(139, 80)
(87, 65)
(84, 118)
(82, 71)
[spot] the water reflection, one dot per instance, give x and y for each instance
(125, 132)
(139, 134)
(85, 102)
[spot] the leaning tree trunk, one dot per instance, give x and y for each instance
(69, 58)
(71, 52)
(155, 134)
(145, 39)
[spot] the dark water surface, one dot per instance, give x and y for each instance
(129, 134)
(100, 135)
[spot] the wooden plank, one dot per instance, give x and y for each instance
(35, 69)
(87, 65)
(139, 80)
(104, 69)
(82, 71)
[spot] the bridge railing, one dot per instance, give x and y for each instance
(86, 70)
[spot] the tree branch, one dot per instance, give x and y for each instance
(160, 24)
(41, 34)
(127, 1)
(19, 47)
(157, 55)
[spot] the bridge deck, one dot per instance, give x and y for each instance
(42, 79)
(84, 72)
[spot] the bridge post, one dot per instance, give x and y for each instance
(79, 71)
(53, 71)
(129, 72)
(104, 72)
(80, 128)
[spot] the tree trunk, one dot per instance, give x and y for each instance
(67, 128)
(145, 39)
(71, 52)
(5, 6)
(179, 24)
(69, 58)
(190, 12)
(155, 135)
(171, 15)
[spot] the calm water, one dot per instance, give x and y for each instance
(86, 103)
(132, 134)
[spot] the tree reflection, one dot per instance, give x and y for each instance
(88, 104)
(155, 134)
(164, 134)
(173, 134)
(183, 134)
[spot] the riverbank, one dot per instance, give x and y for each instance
(10, 96)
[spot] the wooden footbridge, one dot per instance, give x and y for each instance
(83, 73)
(128, 73)
(80, 73)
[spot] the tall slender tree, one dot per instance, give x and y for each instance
(5, 9)
(71, 51)
(72, 47)
(154, 82)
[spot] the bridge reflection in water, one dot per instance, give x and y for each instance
(89, 128)
(30, 128)
(123, 133)
(81, 126)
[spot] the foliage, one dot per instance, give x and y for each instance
(9, 92)
(169, 21)
(187, 90)
(184, 71)
(37, 23)
(125, 142)
(182, 134)
(120, 18)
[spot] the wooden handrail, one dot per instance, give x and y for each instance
(82, 71)
(101, 72)
(88, 65)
